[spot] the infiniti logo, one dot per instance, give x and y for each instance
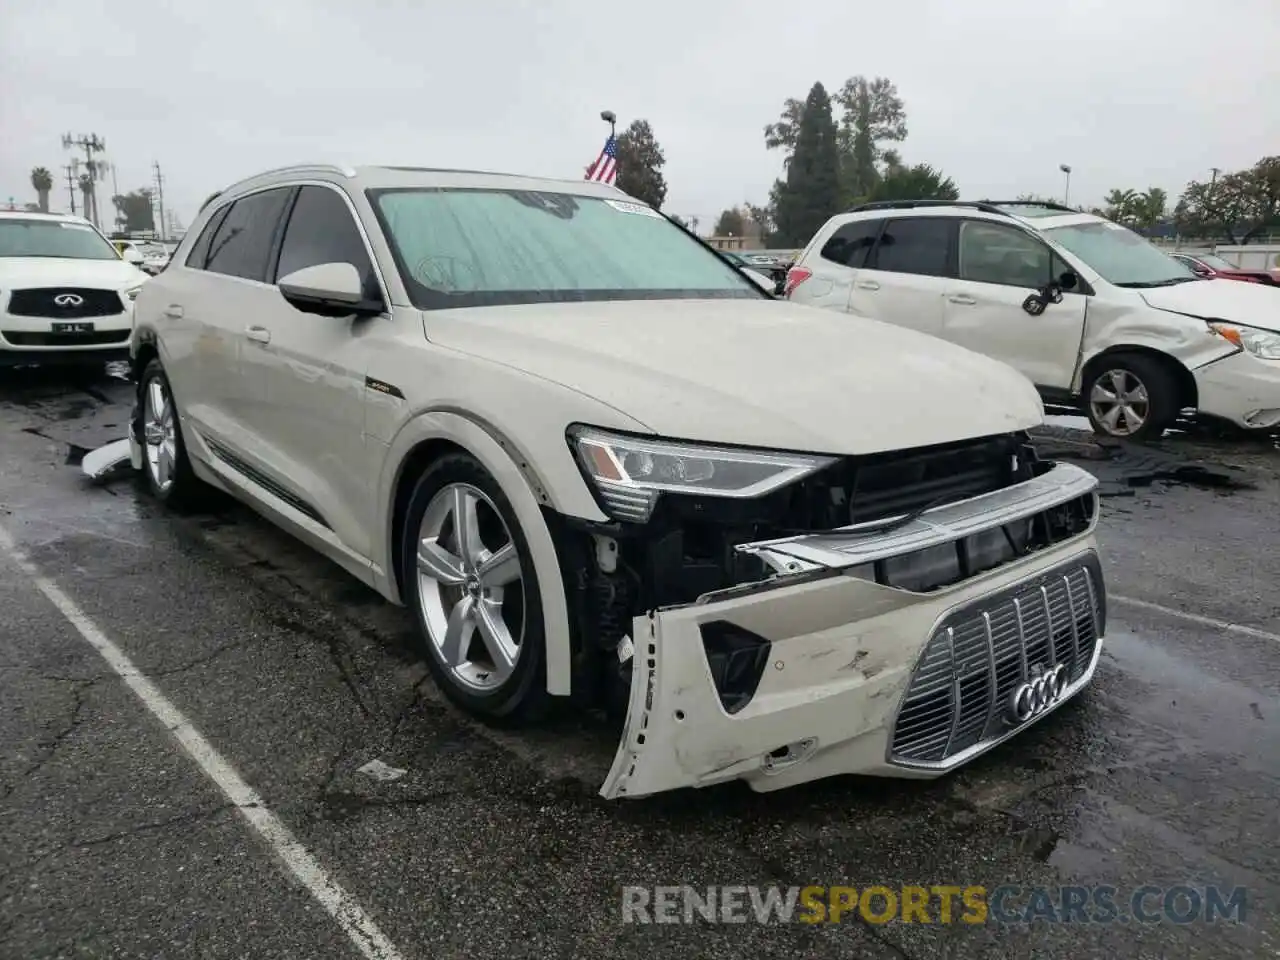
(1038, 694)
(68, 300)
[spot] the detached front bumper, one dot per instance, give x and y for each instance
(855, 677)
(1242, 389)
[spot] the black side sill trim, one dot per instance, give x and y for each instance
(262, 480)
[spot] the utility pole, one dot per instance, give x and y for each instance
(92, 144)
(71, 186)
(160, 198)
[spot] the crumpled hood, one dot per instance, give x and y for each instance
(753, 372)
(1252, 304)
(22, 272)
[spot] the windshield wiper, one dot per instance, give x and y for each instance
(1148, 284)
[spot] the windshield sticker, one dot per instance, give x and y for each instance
(624, 207)
(76, 226)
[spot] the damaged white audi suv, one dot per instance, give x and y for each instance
(600, 464)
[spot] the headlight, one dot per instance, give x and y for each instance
(1263, 344)
(630, 472)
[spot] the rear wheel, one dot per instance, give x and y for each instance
(470, 580)
(1131, 397)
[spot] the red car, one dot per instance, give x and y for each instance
(1209, 265)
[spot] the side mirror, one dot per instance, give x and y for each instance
(329, 290)
(131, 255)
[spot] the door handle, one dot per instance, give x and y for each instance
(867, 285)
(962, 298)
(258, 334)
(173, 311)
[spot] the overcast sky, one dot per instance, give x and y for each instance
(1130, 93)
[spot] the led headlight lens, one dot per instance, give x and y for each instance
(1263, 344)
(630, 472)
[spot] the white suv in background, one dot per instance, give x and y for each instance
(1090, 312)
(598, 462)
(66, 294)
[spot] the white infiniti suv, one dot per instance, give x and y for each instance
(598, 462)
(66, 294)
(1093, 314)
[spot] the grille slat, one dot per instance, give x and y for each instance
(977, 657)
(39, 302)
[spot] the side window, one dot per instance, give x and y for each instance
(200, 250)
(851, 243)
(242, 245)
(918, 245)
(994, 253)
(321, 230)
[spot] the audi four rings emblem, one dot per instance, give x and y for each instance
(68, 300)
(1038, 694)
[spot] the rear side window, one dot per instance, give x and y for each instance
(200, 251)
(321, 229)
(851, 243)
(241, 246)
(920, 246)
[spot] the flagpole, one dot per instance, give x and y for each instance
(611, 118)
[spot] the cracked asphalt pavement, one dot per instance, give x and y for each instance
(494, 843)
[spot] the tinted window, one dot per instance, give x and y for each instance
(850, 244)
(321, 230)
(994, 253)
(200, 251)
(242, 245)
(23, 237)
(915, 246)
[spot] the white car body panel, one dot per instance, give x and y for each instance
(679, 371)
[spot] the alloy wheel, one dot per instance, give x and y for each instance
(1120, 403)
(470, 587)
(160, 434)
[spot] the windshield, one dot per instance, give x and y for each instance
(20, 237)
(467, 248)
(1121, 256)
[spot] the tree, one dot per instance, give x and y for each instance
(640, 162)
(42, 182)
(872, 114)
(731, 223)
(920, 182)
(811, 193)
(135, 210)
(1120, 205)
(1236, 207)
(763, 217)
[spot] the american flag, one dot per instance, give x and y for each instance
(605, 169)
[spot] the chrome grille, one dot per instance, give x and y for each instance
(980, 653)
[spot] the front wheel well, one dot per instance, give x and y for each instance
(146, 353)
(412, 467)
(1188, 393)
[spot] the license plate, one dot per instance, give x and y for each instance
(73, 328)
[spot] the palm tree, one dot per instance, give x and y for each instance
(1120, 205)
(42, 180)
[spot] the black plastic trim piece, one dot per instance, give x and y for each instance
(271, 486)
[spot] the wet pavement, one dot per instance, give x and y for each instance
(494, 844)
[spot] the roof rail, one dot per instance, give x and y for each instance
(341, 171)
(1047, 204)
(983, 205)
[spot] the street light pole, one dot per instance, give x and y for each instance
(1066, 193)
(611, 118)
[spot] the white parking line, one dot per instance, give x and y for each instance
(357, 924)
(1238, 628)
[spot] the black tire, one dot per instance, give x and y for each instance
(187, 491)
(1161, 387)
(522, 698)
